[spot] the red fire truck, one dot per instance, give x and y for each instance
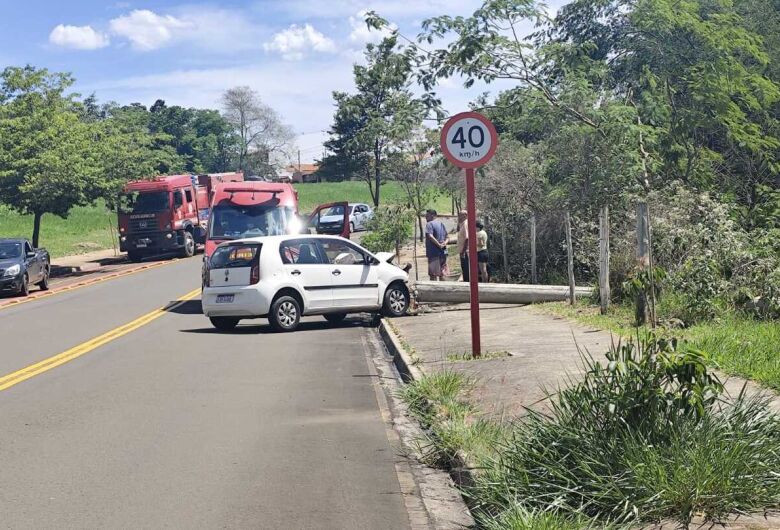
(168, 214)
(253, 209)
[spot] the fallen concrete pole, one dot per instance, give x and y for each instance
(495, 293)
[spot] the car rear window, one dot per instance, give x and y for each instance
(233, 256)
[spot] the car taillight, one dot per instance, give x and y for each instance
(254, 275)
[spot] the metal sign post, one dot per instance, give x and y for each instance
(469, 140)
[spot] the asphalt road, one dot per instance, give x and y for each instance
(173, 425)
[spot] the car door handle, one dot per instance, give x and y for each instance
(336, 272)
(296, 272)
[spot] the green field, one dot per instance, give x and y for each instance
(312, 194)
(87, 227)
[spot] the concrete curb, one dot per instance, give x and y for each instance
(401, 358)
(407, 367)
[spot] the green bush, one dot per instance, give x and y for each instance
(390, 227)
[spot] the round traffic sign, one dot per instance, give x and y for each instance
(469, 140)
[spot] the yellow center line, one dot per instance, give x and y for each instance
(45, 365)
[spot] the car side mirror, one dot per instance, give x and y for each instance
(31, 254)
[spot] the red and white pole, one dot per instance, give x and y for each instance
(471, 210)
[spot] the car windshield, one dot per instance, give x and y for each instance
(231, 221)
(336, 210)
(149, 202)
(10, 250)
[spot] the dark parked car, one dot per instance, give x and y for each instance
(22, 265)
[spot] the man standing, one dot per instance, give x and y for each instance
(463, 247)
(435, 246)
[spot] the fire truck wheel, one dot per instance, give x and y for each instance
(189, 245)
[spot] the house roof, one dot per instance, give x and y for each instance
(306, 169)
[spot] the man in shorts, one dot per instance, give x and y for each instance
(435, 246)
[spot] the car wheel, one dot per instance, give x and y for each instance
(24, 289)
(396, 300)
(285, 314)
(189, 246)
(335, 318)
(352, 227)
(224, 323)
(44, 283)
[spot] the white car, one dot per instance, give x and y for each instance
(331, 221)
(286, 277)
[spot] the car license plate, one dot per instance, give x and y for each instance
(225, 298)
(140, 244)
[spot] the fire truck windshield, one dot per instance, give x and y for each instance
(231, 221)
(150, 202)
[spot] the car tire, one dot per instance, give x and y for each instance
(285, 314)
(44, 283)
(189, 246)
(135, 257)
(396, 301)
(24, 289)
(352, 227)
(335, 318)
(224, 323)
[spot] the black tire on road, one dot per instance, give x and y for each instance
(189, 245)
(224, 323)
(44, 283)
(285, 314)
(396, 300)
(335, 318)
(24, 289)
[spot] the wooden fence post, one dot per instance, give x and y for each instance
(604, 288)
(503, 252)
(642, 258)
(533, 248)
(570, 254)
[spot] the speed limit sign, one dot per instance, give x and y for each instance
(469, 140)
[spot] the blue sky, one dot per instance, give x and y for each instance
(293, 52)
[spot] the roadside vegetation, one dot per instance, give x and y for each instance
(739, 344)
(312, 194)
(646, 436)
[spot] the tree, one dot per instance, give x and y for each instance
(48, 159)
(263, 138)
(369, 124)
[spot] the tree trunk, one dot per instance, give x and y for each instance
(377, 172)
(420, 226)
(534, 279)
(36, 228)
(570, 255)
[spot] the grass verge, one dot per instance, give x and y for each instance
(739, 345)
(86, 229)
(645, 437)
(310, 195)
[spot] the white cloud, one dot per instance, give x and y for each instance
(147, 30)
(295, 42)
(362, 34)
(78, 37)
